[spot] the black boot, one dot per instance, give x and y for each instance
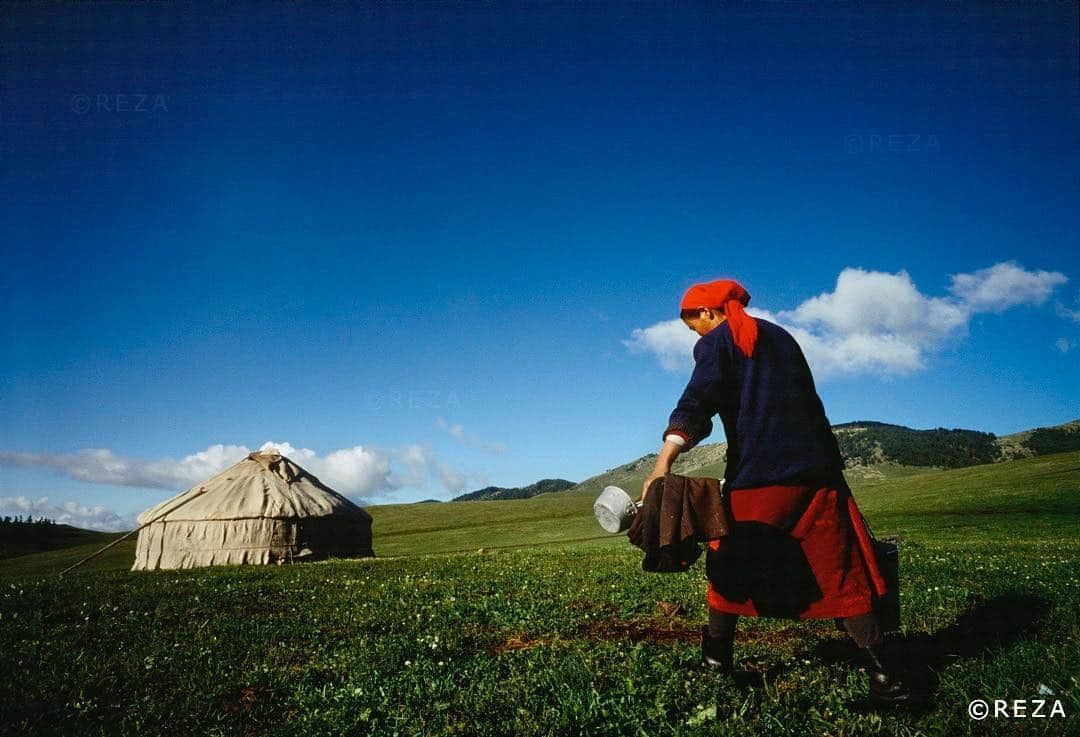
(887, 687)
(716, 654)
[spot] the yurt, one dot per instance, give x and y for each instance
(265, 509)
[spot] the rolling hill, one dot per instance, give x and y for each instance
(24, 538)
(873, 451)
(490, 493)
(1040, 441)
(874, 443)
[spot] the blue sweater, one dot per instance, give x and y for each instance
(775, 423)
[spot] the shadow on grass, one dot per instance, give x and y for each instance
(987, 626)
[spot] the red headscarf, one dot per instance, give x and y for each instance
(729, 296)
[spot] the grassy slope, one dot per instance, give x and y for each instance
(903, 497)
(55, 538)
(549, 640)
(1038, 494)
(118, 558)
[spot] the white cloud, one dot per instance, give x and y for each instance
(873, 303)
(356, 471)
(102, 466)
(1003, 286)
(414, 461)
(873, 321)
(359, 471)
(670, 341)
(66, 513)
(420, 461)
(1063, 344)
(451, 478)
(1065, 312)
(457, 431)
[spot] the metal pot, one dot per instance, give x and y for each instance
(614, 509)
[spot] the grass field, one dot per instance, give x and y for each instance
(551, 630)
(18, 540)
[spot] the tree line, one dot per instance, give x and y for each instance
(20, 535)
(942, 448)
(27, 520)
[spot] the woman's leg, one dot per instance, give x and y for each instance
(864, 629)
(722, 625)
(886, 681)
(718, 641)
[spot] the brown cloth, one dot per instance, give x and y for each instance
(679, 513)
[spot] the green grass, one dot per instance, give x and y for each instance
(26, 539)
(554, 638)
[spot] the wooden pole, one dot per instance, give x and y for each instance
(119, 540)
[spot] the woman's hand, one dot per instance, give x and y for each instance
(648, 482)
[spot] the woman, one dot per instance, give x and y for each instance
(799, 548)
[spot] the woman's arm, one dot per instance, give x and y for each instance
(691, 421)
(692, 417)
(667, 456)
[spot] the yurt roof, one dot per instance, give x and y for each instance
(265, 484)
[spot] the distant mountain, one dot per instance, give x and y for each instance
(703, 460)
(490, 493)
(1041, 441)
(873, 443)
(871, 451)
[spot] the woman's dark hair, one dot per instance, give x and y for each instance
(684, 314)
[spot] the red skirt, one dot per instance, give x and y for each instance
(796, 552)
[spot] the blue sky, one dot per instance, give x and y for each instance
(433, 247)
